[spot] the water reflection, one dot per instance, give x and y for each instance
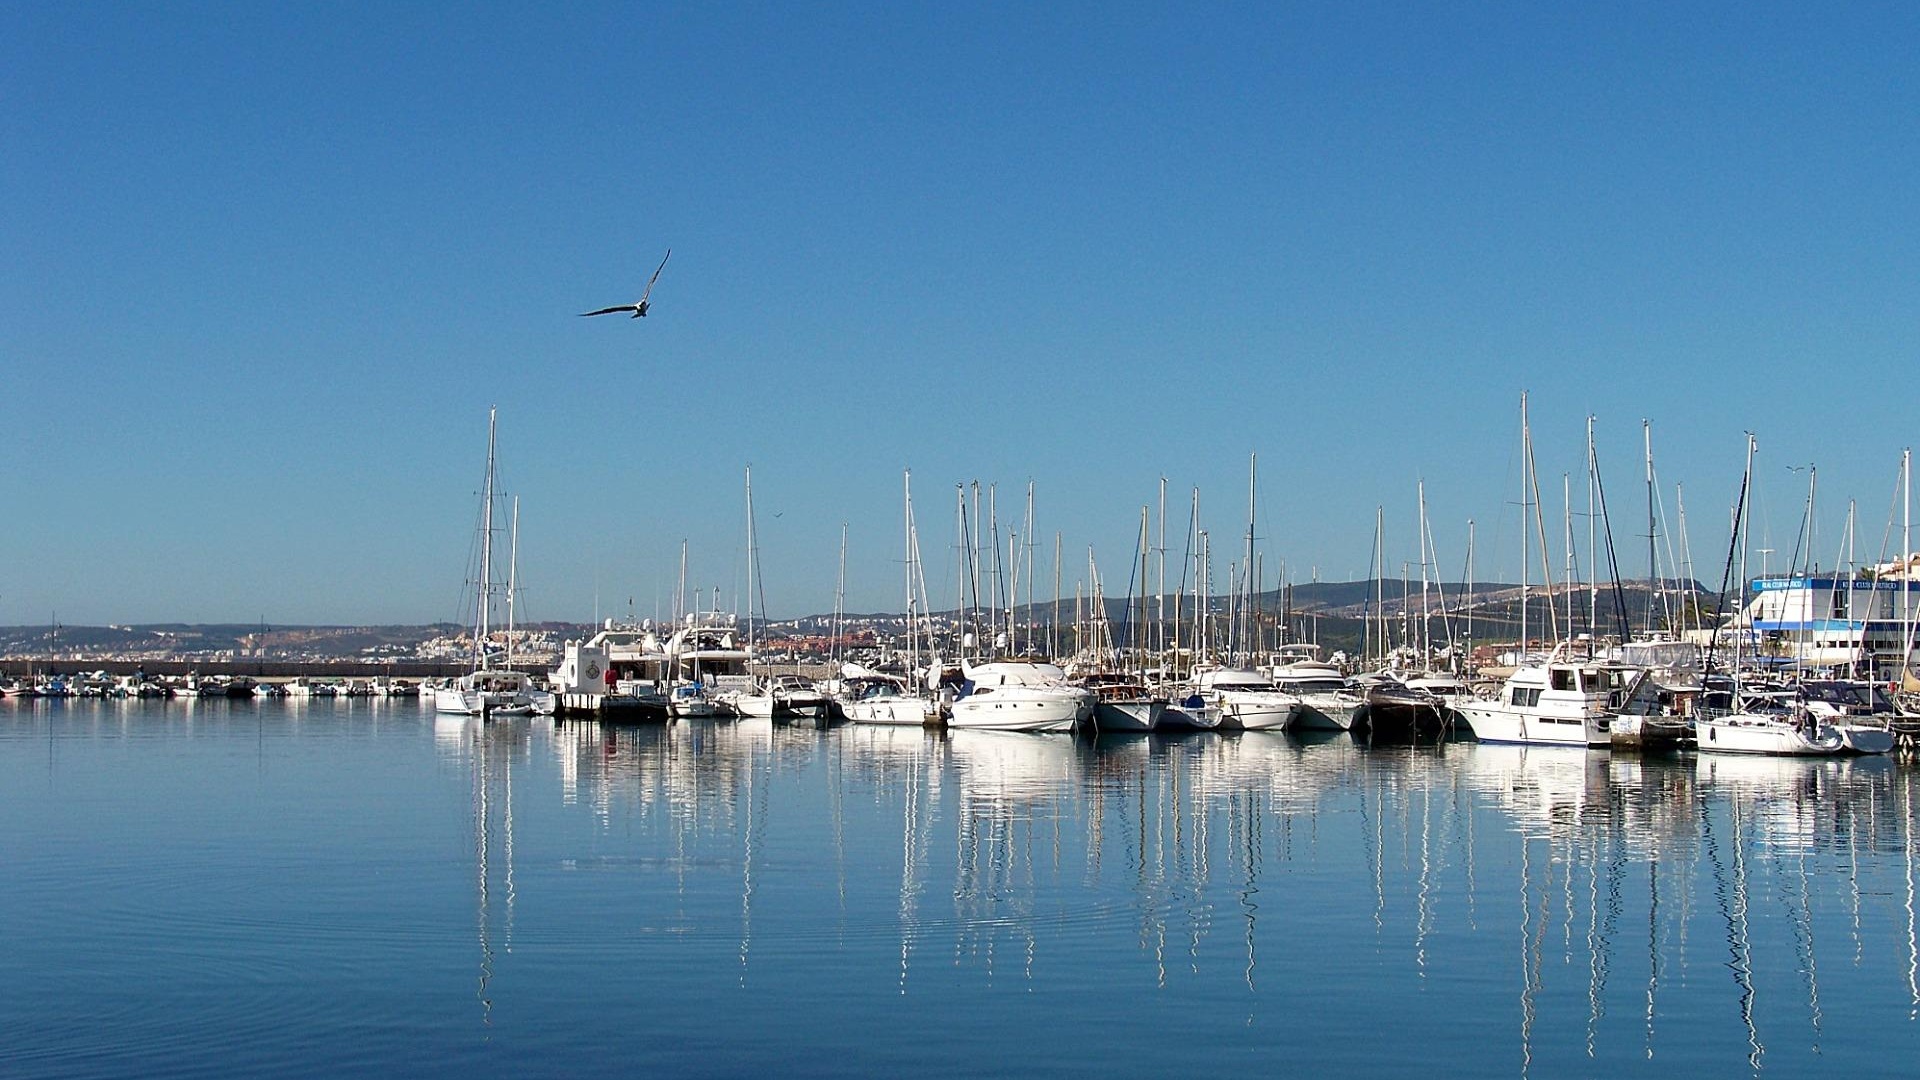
(492, 750)
(1579, 901)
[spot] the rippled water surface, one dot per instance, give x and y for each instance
(357, 887)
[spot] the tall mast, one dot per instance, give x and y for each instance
(913, 616)
(1906, 563)
(1053, 624)
(1654, 586)
(753, 558)
(1593, 555)
(992, 536)
(1853, 666)
(482, 625)
(1203, 599)
(968, 583)
(1746, 520)
(1466, 665)
(513, 574)
(1160, 584)
(680, 593)
(1526, 522)
(1135, 631)
(1686, 556)
(839, 599)
(1027, 552)
(1426, 615)
(1244, 624)
(1566, 497)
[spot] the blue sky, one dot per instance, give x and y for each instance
(270, 264)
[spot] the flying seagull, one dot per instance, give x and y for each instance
(639, 308)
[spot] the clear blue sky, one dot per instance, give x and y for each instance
(268, 265)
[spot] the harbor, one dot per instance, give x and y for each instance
(1516, 909)
(870, 540)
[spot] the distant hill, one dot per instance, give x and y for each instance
(1330, 612)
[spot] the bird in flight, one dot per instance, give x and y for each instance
(639, 307)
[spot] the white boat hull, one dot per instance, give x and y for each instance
(455, 701)
(1751, 734)
(1135, 716)
(1257, 712)
(897, 711)
(757, 706)
(459, 702)
(1013, 710)
(1498, 723)
(1325, 712)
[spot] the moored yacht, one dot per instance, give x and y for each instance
(1020, 695)
(1246, 700)
(485, 691)
(1397, 709)
(1793, 734)
(880, 698)
(786, 695)
(1326, 701)
(1558, 703)
(706, 649)
(1122, 703)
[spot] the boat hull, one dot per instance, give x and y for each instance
(895, 711)
(1746, 734)
(1190, 717)
(1123, 716)
(1864, 739)
(1496, 723)
(1019, 712)
(1325, 713)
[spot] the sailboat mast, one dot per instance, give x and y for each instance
(482, 621)
(1160, 584)
(1906, 563)
(1466, 666)
(839, 599)
(992, 536)
(913, 617)
(1526, 519)
(1244, 624)
(1593, 554)
(513, 574)
(1566, 498)
(1654, 586)
(1053, 624)
(1426, 613)
(680, 592)
(1135, 628)
(752, 559)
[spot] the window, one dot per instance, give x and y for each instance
(1563, 679)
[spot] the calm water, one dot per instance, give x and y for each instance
(362, 888)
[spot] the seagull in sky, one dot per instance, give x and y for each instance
(639, 307)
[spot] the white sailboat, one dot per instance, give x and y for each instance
(872, 699)
(484, 689)
(1747, 730)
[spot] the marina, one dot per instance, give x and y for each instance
(1128, 542)
(203, 888)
